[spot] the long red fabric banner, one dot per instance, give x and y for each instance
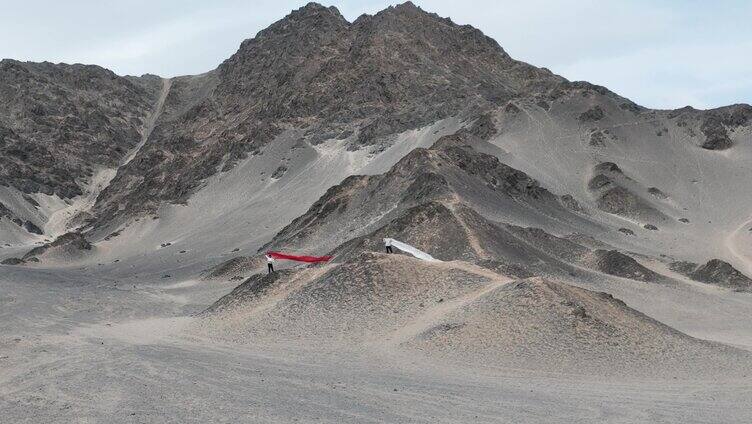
(310, 259)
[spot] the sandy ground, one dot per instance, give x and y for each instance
(82, 349)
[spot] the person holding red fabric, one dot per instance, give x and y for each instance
(269, 263)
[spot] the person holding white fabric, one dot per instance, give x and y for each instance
(391, 243)
(388, 244)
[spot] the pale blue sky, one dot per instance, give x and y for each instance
(663, 54)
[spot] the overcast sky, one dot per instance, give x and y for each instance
(659, 53)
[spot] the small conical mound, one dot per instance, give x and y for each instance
(722, 274)
(613, 262)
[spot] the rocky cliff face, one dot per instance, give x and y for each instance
(58, 123)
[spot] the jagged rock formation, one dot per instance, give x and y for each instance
(424, 200)
(716, 272)
(716, 126)
(315, 77)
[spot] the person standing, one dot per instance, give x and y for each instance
(388, 244)
(269, 263)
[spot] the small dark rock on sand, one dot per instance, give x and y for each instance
(279, 172)
(571, 203)
(657, 193)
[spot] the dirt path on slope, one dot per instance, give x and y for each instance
(152, 122)
(471, 237)
(434, 315)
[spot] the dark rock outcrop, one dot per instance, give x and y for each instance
(723, 274)
(13, 261)
(593, 114)
(616, 263)
(30, 227)
(59, 122)
(617, 193)
(69, 242)
(717, 123)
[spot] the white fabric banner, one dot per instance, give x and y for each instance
(410, 249)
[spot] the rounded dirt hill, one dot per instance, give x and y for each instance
(541, 324)
(362, 300)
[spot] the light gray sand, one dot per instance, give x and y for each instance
(76, 349)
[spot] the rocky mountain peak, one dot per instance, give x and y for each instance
(312, 17)
(407, 8)
(287, 43)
